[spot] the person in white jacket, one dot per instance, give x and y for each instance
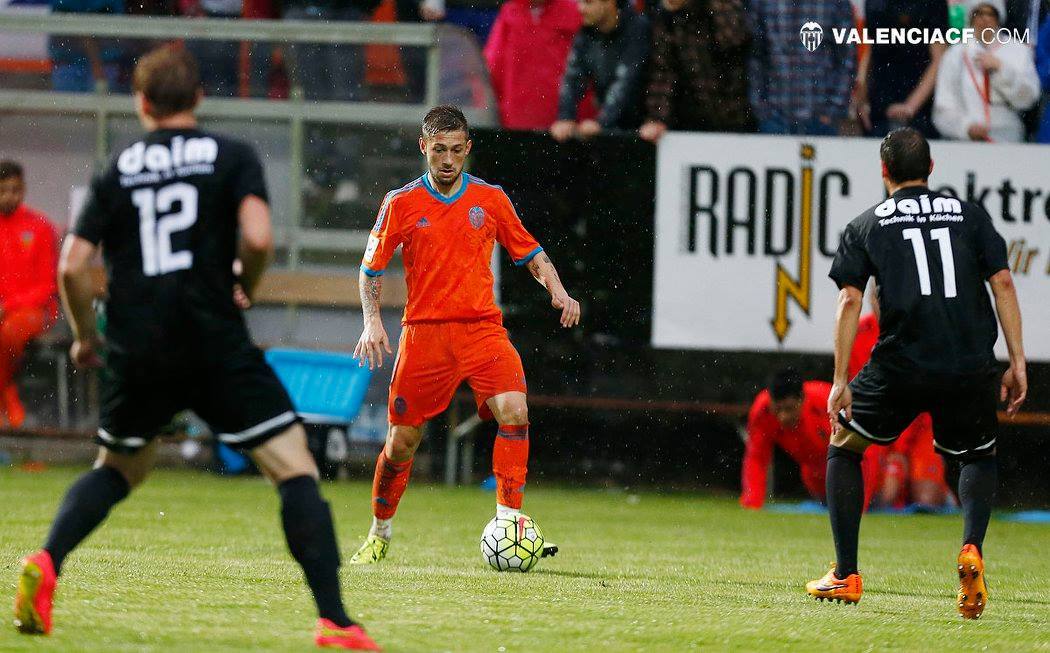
(983, 85)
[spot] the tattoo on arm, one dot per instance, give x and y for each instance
(370, 291)
(543, 270)
(536, 265)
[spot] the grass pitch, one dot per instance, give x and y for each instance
(192, 562)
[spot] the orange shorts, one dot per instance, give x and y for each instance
(434, 359)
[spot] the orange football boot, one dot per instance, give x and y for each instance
(352, 637)
(833, 588)
(36, 590)
(973, 593)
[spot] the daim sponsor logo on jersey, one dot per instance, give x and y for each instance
(919, 211)
(182, 157)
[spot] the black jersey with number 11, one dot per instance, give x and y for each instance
(165, 212)
(931, 255)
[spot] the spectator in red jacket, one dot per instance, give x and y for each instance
(793, 415)
(526, 54)
(28, 260)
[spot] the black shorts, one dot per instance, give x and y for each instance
(964, 409)
(235, 392)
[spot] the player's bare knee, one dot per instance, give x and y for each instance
(285, 456)
(845, 439)
(516, 413)
(133, 467)
(511, 408)
(402, 442)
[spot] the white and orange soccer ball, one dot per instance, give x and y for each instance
(512, 543)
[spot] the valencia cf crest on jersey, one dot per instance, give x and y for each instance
(477, 217)
(27, 239)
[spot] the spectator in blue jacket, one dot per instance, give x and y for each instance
(610, 54)
(795, 90)
(78, 63)
(1042, 66)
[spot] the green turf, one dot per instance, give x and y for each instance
(197, 563)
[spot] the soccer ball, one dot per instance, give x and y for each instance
(512, 543)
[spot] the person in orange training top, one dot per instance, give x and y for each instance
(910, 470)
(791, 414)
(446, 223)
(28, 287)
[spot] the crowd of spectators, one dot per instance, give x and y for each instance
(577, 68)
(739, 66)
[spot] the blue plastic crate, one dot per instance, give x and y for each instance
(326, 388)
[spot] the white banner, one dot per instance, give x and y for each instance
(747, 226)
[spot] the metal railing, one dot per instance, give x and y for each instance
(296, 112)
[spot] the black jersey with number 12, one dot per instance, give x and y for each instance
(165, 213)
(931, 255)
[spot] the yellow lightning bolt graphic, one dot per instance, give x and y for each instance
(786, 286)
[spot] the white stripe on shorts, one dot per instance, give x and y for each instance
(964, 451)
(857, 428)
(286, 417)
(133, 443)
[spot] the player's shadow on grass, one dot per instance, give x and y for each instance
(581, 574)
(760, 584)
(936, 595)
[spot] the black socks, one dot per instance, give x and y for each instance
(845, 488)
(977, 481)
(845, 494)
(85, 506)
(310, 533)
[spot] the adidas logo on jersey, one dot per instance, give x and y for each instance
(423, 222)
(159, 157)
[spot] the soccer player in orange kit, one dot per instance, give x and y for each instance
(446, 223)
(28, 287)
(911, 471)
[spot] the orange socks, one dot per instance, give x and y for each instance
(389, 484)
(510, 459)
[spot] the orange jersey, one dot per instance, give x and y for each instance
(28, 262)
(806, 443)
(447, 247)
(867, 336)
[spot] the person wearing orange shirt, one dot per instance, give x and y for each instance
(447, 223)
(28, 287)
(910, 470)
(791, 414)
